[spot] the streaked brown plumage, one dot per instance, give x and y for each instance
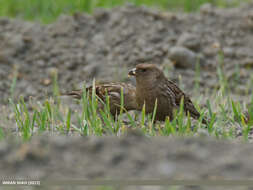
(151, 84)
(113, 90)
(247, 118)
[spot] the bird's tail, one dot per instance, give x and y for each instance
(78, 94)
(189, 107)
(75, 94)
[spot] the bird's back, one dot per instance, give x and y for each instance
(188, 105)
(113, 91)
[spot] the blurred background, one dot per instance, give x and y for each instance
(47, 10)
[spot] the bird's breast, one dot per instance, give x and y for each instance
(147, 96)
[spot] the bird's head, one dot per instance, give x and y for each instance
(146, 73)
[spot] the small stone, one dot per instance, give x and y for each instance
(3, 148)
(190, 41)
(207, 8)
(203, 133)
(52, 71)
(185, 58)
(46, 82)
(247, 63)
(229, 52)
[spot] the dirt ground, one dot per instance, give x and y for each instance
(105, 45)
(129, 157)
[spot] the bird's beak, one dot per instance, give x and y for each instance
(132, 72)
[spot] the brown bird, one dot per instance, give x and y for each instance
(152, 85)
(113, 90)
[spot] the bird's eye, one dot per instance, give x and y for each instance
(143, 70)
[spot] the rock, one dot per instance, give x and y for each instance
(229, 52)
(247, 63)
(207, 8)
(249, 20)
(11, 44)
(185, 58)
(64, 26)
(190, 41)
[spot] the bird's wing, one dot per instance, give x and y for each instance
(101, 90)
(168, 93)
(179, 94)
(74, 93)
(113, 90)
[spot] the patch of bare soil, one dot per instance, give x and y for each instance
(131, 157)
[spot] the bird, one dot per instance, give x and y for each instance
(113, 91)
(153, 88)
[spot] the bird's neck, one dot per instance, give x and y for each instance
(142, 86)
(148, 88)
(145, 91)
(148, 84)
